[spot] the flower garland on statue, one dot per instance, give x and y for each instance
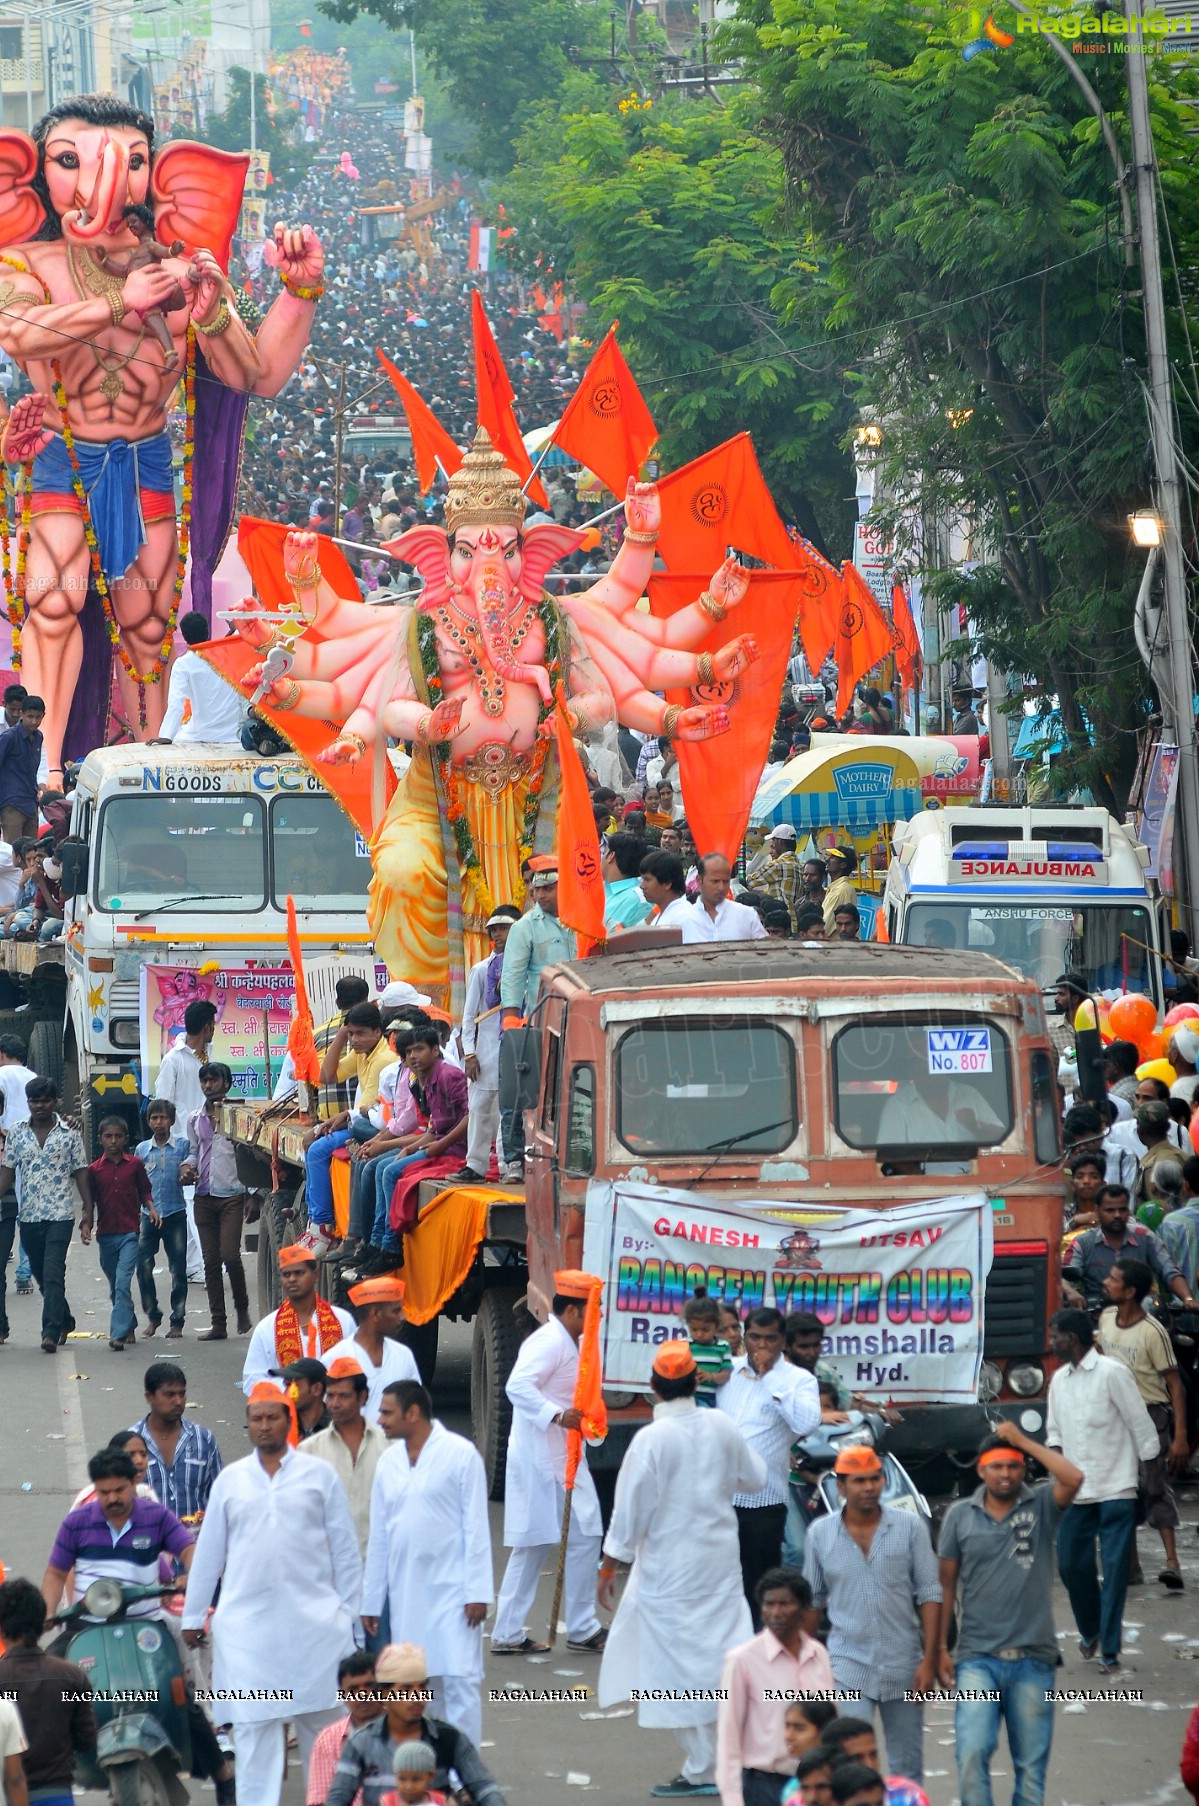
(468, 855)
(14, 582)
(154, 675)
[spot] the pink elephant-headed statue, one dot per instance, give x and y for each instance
(78, 290)
(468, 678)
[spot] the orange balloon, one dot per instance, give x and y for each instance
(1133, 1018)
(1152, 1049)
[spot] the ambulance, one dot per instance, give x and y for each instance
(1047, 890)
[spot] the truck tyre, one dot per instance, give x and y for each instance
(493, 1350)
(45, 1051)
(421, 1338)
(271, 1233)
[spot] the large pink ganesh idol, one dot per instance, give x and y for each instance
(82, 306)
(470, 682)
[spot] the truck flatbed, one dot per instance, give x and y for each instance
(23, 957)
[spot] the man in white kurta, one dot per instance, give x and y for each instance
(429, 1555)
(378, 1303)
(305, 1325)
(541, 1388)
(684, 1606)
(278, 1537)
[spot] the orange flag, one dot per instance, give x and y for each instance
(719, 776)
(607, 425)
(907, 641)
(301, 1044)
(431, 444)
(588, 1398)
(701, 501)
(580, 881)
(864, 635)
(495, 398)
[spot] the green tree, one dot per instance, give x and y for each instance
(665, 216)
(497, 58)
(230, 130)
(967, 258)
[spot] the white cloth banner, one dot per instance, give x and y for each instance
(900, 1292)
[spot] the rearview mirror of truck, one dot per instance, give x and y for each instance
(520, 1068)
(72, 855)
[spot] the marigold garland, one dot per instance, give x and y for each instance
(14, 579)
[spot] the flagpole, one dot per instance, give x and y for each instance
(541, 460)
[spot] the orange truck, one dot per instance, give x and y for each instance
(869, 1132)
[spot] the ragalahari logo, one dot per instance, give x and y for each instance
(985, 35)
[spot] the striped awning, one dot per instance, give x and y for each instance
(809, 811)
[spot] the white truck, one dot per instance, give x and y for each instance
(180, 856)
(1047, 890)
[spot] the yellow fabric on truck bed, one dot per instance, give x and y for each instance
(441, 1250)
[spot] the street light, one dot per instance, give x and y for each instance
(1146, 529)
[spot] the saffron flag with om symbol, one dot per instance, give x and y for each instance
(908, 658)
(580, 880)
(588, 1398)
(719, 776)
(700, 502)
(607, 425)
(431, 444)
(495, 398)
(864, 635)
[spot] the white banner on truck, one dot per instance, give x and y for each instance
(900, 1292)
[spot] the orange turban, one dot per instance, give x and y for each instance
(674, 1360)
(387, 1290)
(569, 1282)
(295, 1256)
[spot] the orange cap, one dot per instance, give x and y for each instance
(345, 1369)
(858, 1459)
(386, 1290)
(295, 1256)
(266, 1392)
(571, 1283)
(544, 862)
(674, 1360)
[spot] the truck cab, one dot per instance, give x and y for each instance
(1047, 890)
(768, 1073)
(185, 856)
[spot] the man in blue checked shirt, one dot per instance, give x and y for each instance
(164, 1224)
(184, 1458)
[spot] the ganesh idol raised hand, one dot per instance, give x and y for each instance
(73, 315)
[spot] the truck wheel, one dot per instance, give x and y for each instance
(271, 1232)
(492, 1352)
(45, 1051)
(421, 1338)
(137, 1784)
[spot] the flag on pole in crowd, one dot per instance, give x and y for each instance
(864, 635)
(479, 253)
(580, 879)
(607, 425)
(908, 657)
(495, 398)
(431, 444)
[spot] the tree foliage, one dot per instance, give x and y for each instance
(230, 130)
(969, 254)
(664, 217)
(498, 58)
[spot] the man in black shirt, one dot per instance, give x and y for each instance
(50, 1694)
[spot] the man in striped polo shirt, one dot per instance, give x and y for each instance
(115, 1536)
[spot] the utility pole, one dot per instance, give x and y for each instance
(340, 443)
(1178, 704)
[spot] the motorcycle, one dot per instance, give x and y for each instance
(816, 1454)
(141, 1704)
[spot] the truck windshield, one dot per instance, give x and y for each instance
(157, 847)
(317, 855)
(943, 1081)
(686, 1087)
(1042, 939)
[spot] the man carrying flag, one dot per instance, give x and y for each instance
(544, 1389)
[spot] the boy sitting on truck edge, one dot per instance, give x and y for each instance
(164, 1219)
(713, 1357)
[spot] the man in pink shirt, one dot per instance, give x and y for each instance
(357, 1691)
(752, 1765)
